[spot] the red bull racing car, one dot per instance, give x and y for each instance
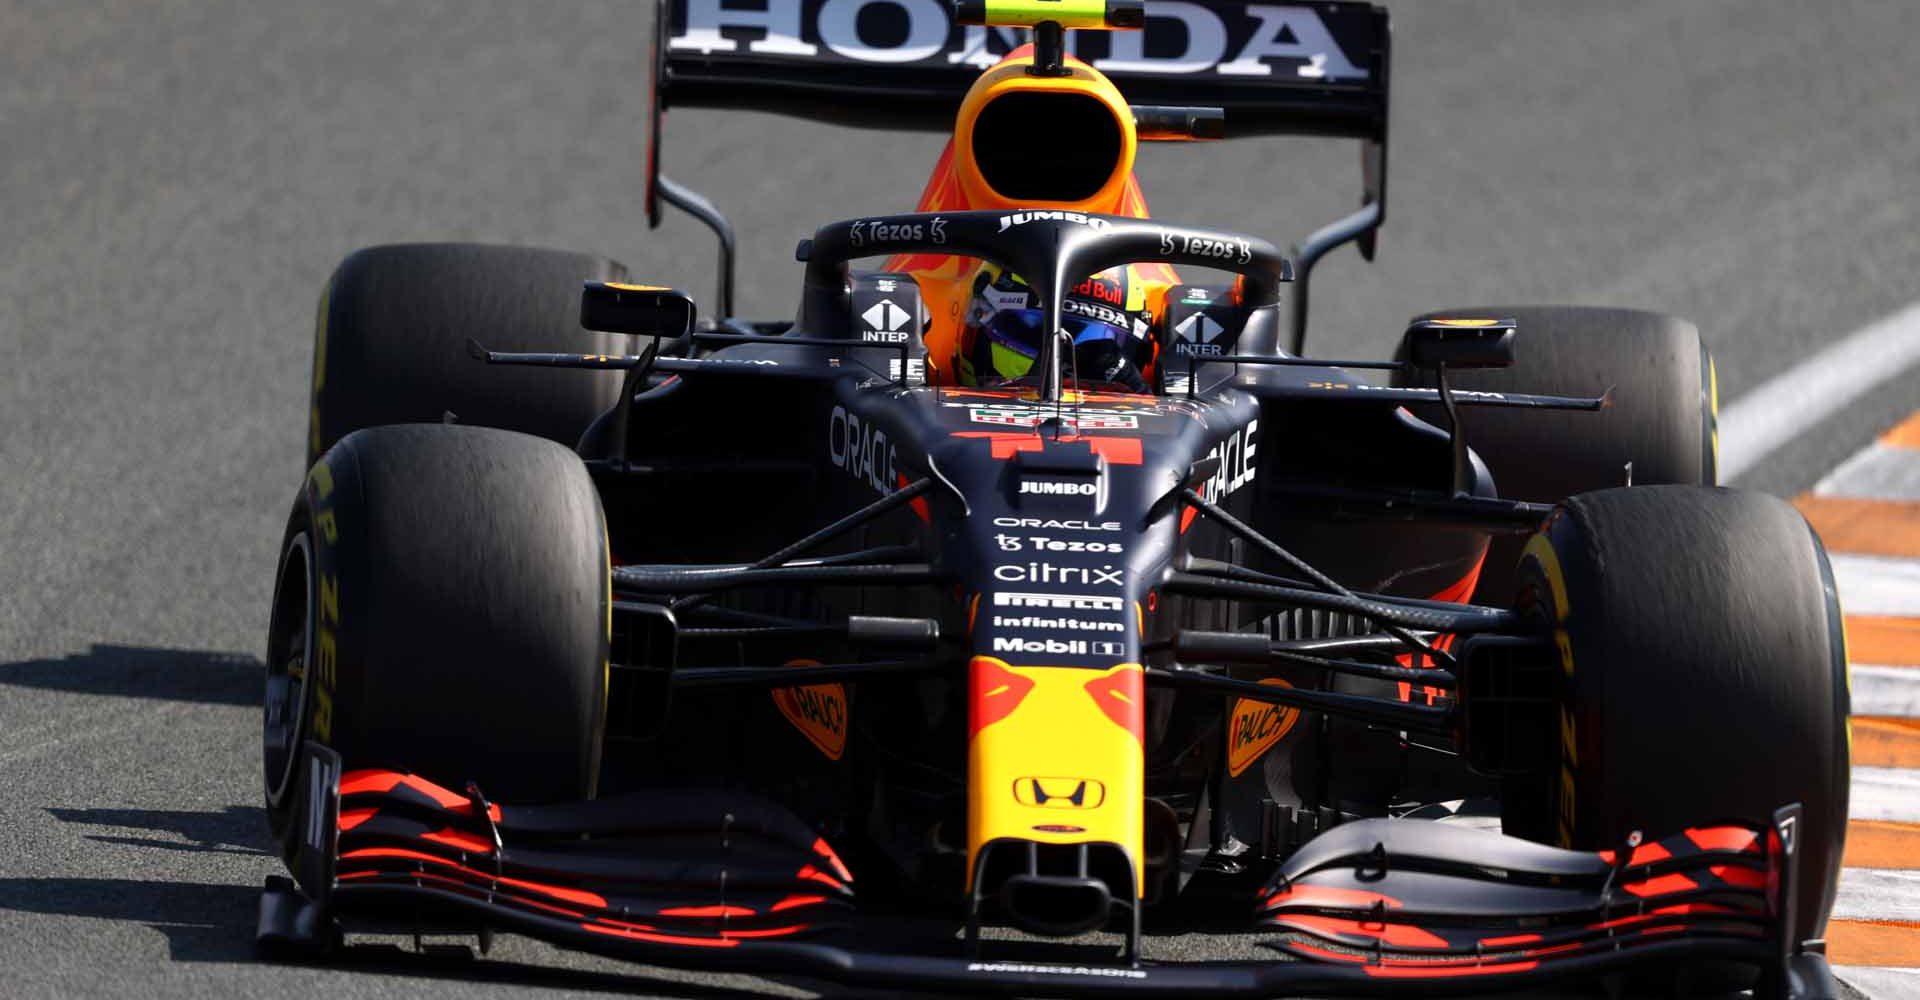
(1032, 596)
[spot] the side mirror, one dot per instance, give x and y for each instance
(1460, 343)
(647, 310)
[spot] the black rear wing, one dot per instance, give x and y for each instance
(1312, 69)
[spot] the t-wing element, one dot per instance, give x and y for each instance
(1440, 344)
(1084, 15)
(1052, 250)
(646, 310)
(1050, 21)
(1460, 343)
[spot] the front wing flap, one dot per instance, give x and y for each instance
(730, 882)
(1395, 898)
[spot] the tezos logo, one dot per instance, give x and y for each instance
(881, 230)
(1237, 249)
(1041, 543)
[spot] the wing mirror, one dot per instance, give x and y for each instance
(647, 310)
(1460, 343)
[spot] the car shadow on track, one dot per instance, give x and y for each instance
(201, 922)
(145, 672)
(215, 923)
(234, 830)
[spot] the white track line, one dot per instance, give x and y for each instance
(1881, 472)
(1886, 691)
(1889, 984)
(1886, 793)
(1878, 894)
(1780, 408)
(1877, 585)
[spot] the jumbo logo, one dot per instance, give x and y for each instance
(1093, 222)
(818, 711)
(1060, 793)
(1253, 727)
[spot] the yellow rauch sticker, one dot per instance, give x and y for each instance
(818, 711)
(1253, 727)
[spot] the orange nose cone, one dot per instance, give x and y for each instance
(1044, 141)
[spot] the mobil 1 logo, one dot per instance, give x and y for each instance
(1058, 647)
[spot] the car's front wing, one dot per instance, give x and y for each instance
(728, 882)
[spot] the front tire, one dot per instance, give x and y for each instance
(1703, 669)
(443, 609)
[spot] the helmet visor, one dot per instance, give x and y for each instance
(1014, 337)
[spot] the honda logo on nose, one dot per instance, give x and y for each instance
(1060, 793)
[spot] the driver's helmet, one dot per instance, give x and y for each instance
(1112, 343)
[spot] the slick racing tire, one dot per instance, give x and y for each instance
(1703, 672)
(1661, 419)
(390, 341)
(442, 609)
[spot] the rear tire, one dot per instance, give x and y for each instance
(1704, 674)
(1661, 420)
(393, 324)
(445, 593)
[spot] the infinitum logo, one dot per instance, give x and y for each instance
(1037, 623)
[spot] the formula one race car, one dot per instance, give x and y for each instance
(1033, 597)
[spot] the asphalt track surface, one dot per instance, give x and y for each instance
(177, 178)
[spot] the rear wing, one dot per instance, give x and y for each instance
(1313, 69)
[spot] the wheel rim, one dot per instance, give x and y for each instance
(289, 650)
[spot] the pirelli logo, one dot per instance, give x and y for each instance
(1059, 602)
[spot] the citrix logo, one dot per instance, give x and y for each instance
(1038, 572)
